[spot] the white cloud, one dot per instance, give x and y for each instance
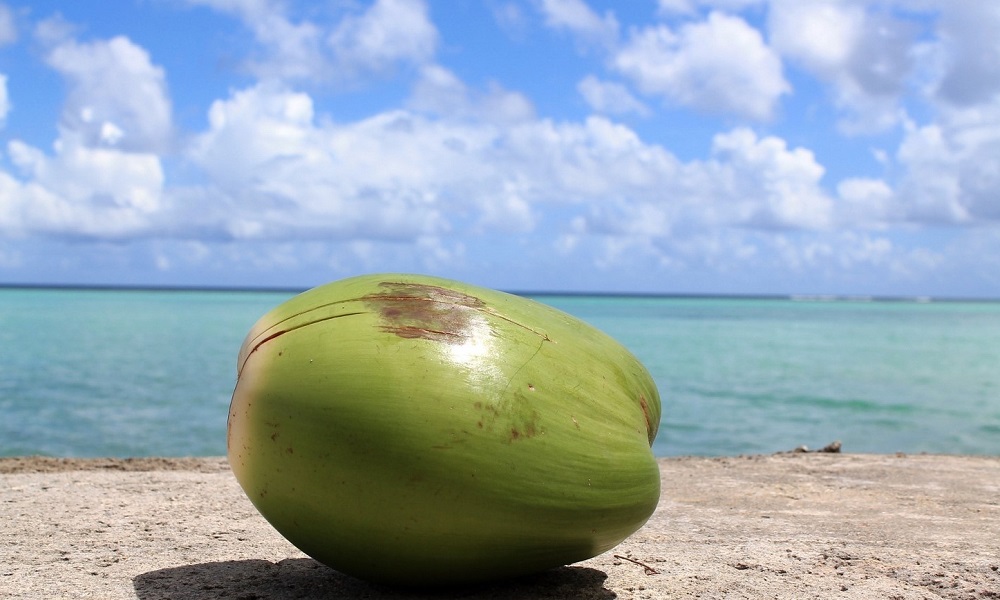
(405, 175)
(8, 27)
(5, 105)
(456, 164)
(252, 129)
(686, 7)
(676, 6)
(82, 191)
(947, 171)
(388, 33)
(439, 91)
(103, 178)
(508, 211)
(582, 163)
(577, 17)
(821, 34)
(865, 202)
(113, 86)
(283, 175)
(281, 172)
(952, 168)
(610, 97)
(864, 54)
(511, 18)
(932, 189)
(644, 193)
(53, 31)
(370, 42)
(968, 32)
(780, 187)
(719, 65)
(845, 250)
(290, 50)
(952, 161)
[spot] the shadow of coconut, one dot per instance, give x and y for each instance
(304, 578)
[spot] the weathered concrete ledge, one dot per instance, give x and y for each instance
(779, 526)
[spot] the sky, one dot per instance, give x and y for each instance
(674, 146)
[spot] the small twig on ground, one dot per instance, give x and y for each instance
(648, 569)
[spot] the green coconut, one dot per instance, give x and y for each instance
(419, 431)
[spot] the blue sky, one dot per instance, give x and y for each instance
(675, 146)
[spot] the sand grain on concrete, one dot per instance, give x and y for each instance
(780, 526)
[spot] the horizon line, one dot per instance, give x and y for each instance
(798, 297)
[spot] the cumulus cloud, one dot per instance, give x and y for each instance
(971, 46)
(864, 55)
(578, 18)
(360, 44)
(702, 213)
(822, 35)
(282, 172)
(719, 65)
(82, 191)
(284, 175)
(952, 169)
(288, 49)
(275, 177)
(388, 33)
(610, 97)
(950, 162)
(685, 7)
(104, 178)
(865, 202)
(869, 57)
(439, 91)
(8, 27)
(780, 186)
(277, 171)
(117, 96)
(402, 174)
(5, 105)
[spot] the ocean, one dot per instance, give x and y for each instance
(102, 372)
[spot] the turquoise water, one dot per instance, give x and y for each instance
(143, 373)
